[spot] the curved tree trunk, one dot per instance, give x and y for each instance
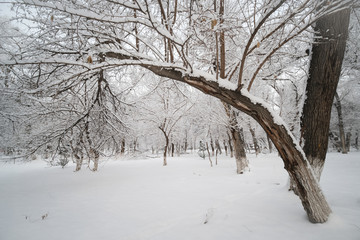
(295, 162)
(290, 151)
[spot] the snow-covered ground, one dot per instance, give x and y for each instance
(141, 199)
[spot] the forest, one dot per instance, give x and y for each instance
(85, 81)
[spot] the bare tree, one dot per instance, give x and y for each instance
(220, 41)
(77, 40)
(337, 104)
(165, 108)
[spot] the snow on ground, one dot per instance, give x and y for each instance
(141, 199)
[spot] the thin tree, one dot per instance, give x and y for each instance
(338, 107)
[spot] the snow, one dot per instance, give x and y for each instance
(141, 199)
(257, 100)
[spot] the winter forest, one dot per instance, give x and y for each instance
(107, 103)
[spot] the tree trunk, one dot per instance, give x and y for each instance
(230, 146)
(178, 149)
(166, 145)
(347, 145)
(165, 152)
(207, 148)
(325, 66)
(337, 104)
(255, 141)
(134, 146)
(218, 150)
(212, 146)
(122, 150)
(298, 168)
(185, 142)
(218, 147)
(269, 143)
(357, 141)
(172, 149)
(95, 154)
(238, 141)
(225, 147)
(79, 156)
(240, 155)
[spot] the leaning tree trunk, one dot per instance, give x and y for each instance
(294, 159)
(325, 67)
(295, 163)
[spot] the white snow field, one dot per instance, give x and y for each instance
(142, 200)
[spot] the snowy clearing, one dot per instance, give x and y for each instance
(141, 199)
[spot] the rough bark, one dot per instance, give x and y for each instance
(240, 155)
(325, 67)
(337, 104)
(238, 141)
